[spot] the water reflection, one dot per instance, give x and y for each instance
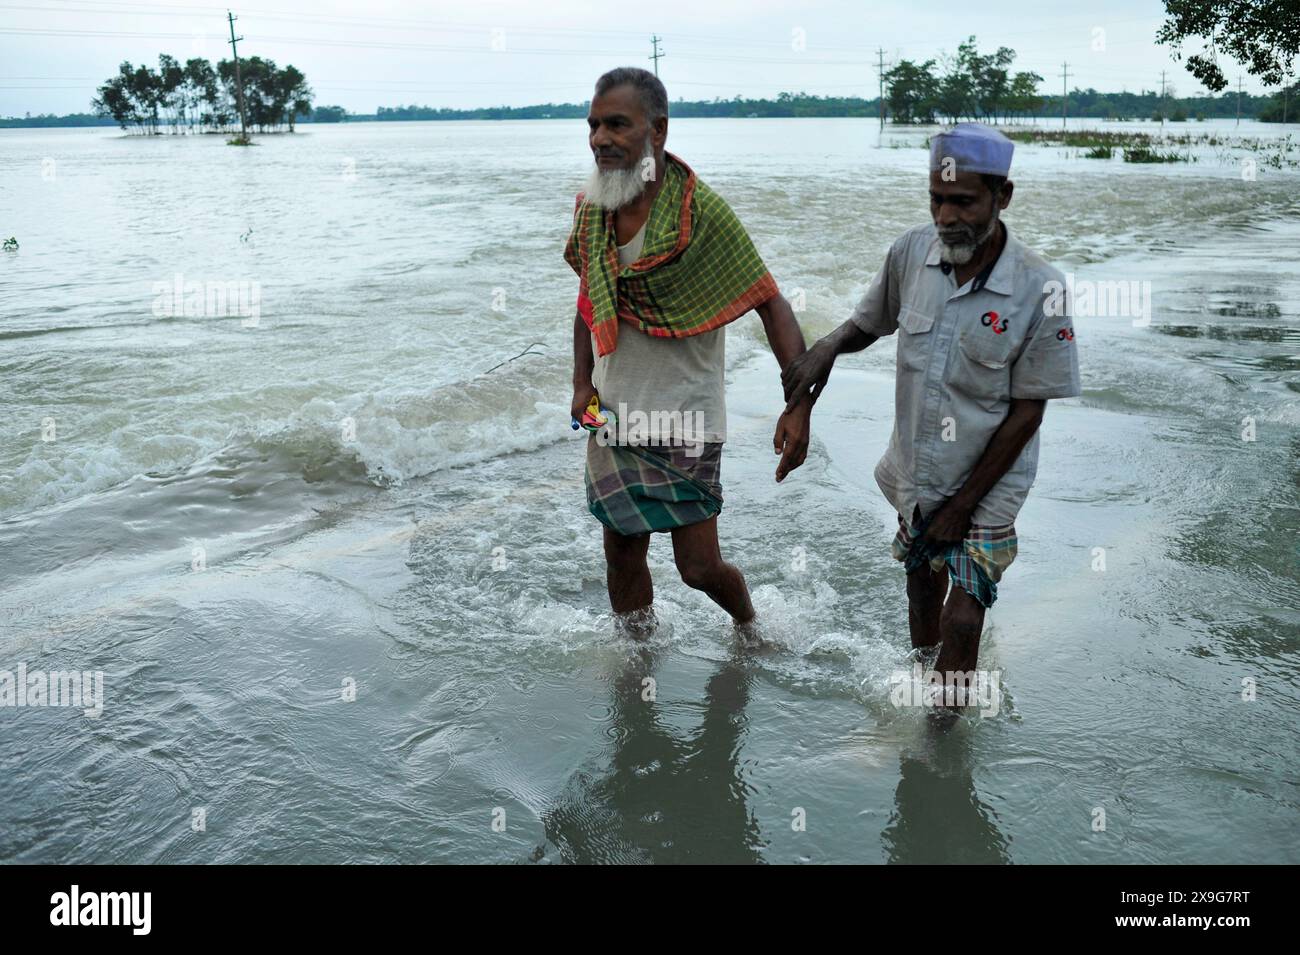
(663, 795)
(938, 816)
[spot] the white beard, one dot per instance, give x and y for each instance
(962, 252)
(956, 254)
(615, 188)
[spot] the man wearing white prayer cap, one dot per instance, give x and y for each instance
(984, 340)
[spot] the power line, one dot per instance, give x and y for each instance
(442, 48)
(107, 7)
(297, 16)
(424, 25)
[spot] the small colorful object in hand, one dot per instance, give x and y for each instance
(594, 418)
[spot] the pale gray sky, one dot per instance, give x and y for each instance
(366, 53)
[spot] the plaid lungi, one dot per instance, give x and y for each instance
(976, 566)
(636, 490)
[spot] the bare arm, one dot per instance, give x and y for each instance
(782, 329)
(878, 309)
(786, 338)
(952, 521)
(583, 364)
(806, 377)
(848, 338)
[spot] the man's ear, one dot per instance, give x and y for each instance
(1004, 199)
(660, 132)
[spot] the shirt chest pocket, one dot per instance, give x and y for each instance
(990, 340)
(981, 363)
(914, 326)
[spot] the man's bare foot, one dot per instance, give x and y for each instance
(926, 656)
(943, 718)
(748, 635)
(639, 624)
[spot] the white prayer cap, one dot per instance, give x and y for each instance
(972, 147)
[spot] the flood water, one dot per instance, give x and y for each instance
(245, 519)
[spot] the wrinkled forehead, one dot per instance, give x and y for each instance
(958, 184)
(617, 102)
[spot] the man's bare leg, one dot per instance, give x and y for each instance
(631, 591)
(961, 624)
(699, 561)
(925, 592)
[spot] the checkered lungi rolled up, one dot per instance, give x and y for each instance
(975, 566)
(641, 489)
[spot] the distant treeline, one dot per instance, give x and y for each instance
(976, 86)
(1150, 105)
(785, 105)
(1087, 103)
(49, 119)
(195, 97)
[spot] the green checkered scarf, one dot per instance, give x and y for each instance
(698, 269)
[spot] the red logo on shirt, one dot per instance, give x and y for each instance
(999, 325)
(1065, 335)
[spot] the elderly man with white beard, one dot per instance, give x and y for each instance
(984, 341)
(664, 265)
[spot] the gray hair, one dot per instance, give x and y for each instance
(654, 98)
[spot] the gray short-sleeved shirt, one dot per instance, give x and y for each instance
(963, 354)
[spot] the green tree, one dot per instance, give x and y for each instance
(958, 89)
(272, 97)
(167, 86)
(114, 99)
(1264, 35)
(1023, 98)
(991, 80)
(913, 90)
(143, 87)
(1283, 107)
(202, 94)
(294, 93)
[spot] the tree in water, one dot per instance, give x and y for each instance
(198, 95)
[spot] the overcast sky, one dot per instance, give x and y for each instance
(361, 54)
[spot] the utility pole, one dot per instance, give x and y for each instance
(1065, 97)
(1162, 99)
(655, 56)
(239, 83)
(1238, 99)
(880, 71)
